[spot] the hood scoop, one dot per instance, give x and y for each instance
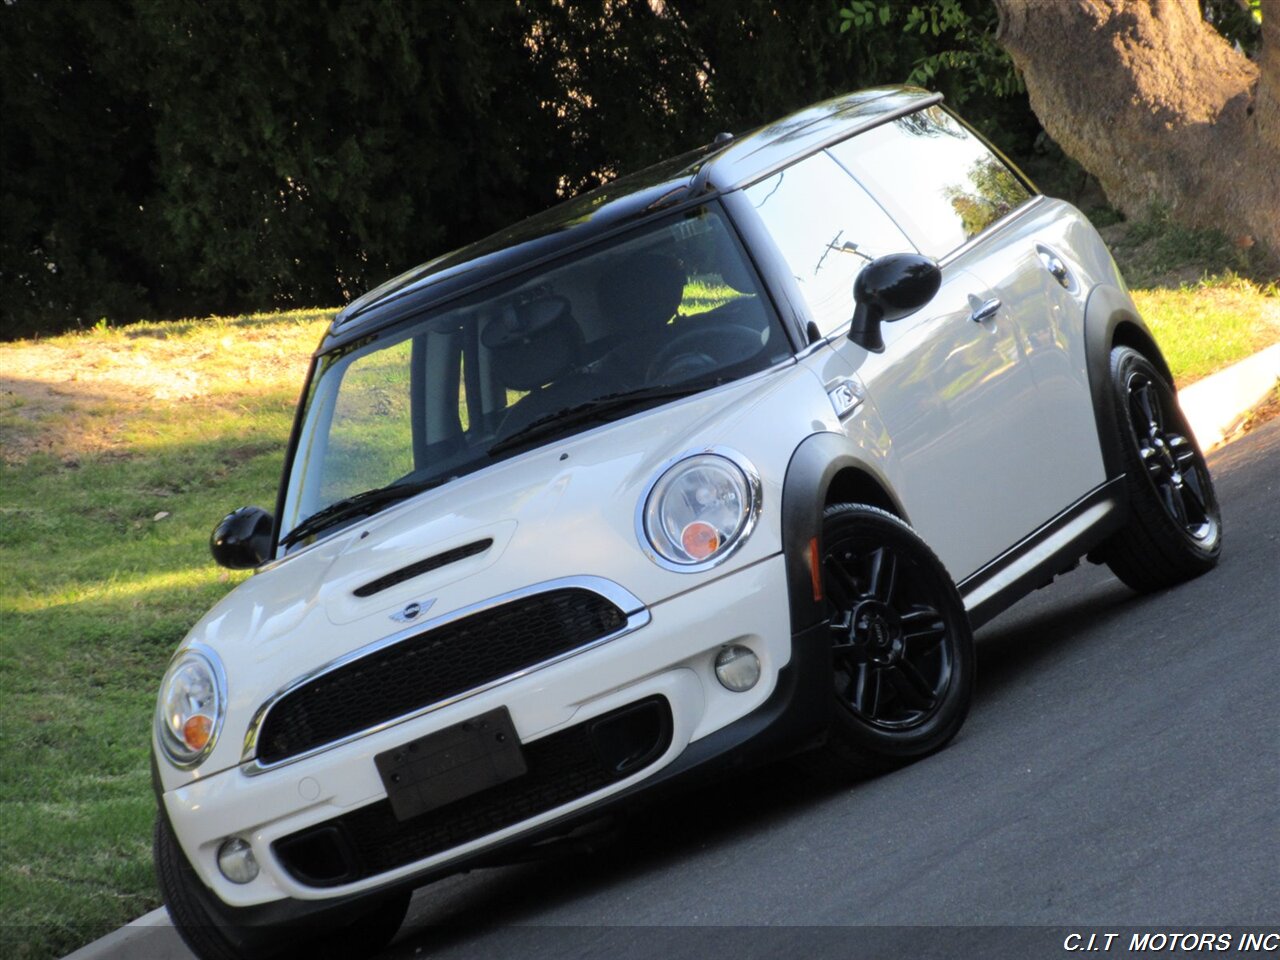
(389, 580)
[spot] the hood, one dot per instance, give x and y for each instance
(565, 509)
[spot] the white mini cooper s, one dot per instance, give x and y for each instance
(720, 462)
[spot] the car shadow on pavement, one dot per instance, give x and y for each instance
(664, 833)
(1044, 627)
(647, 839)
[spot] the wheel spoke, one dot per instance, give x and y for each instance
(866, 690)
(913, 688)
(857, 688)
(1141, 412)
(884, 574)
(919, 614)
(839, 581)
(1150, 460)
(1183, 452)
(847, 651)
(1150, 407)
(1192, 488)
(922, 625)
(850, 693)
(1172, 494)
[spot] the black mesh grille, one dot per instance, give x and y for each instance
(434, 665)
(562, 767)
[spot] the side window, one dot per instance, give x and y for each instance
(936, 178)
(828, 229)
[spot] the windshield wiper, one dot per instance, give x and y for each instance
(601, 408)
(359, 505)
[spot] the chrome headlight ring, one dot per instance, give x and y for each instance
(191, 706)
(699, 509)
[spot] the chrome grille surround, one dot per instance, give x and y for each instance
(635, 612)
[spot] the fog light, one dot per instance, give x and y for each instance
(737, 668)
(237, 862)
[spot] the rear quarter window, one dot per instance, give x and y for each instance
(938, 181)
(827, 228)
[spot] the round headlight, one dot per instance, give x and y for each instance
(192, 702)
(700, 510)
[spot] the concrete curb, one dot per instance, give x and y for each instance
(1213, 407)
(151, 936)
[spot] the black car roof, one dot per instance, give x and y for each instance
(698, 175)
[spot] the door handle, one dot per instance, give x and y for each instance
(985, 310)
(1053, 263)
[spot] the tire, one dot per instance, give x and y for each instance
(1174, 531)
(902, 648)
(211, 938)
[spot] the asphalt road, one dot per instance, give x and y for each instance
(1119, 772)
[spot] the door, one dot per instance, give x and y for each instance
(953, 386)
(959, 404)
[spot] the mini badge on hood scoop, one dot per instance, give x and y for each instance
(412, 611)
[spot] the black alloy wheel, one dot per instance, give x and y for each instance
(890, 645)
(901, 646)
(1175, 527)
(1174, 465)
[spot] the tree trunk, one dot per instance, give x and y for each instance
(1152, 101)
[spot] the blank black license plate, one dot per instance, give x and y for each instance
(451, 764)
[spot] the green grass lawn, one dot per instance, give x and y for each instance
(121, 449)
(1209, 325)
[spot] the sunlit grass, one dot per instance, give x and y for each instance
(121, 448)
(118, 589)
(1205, 326)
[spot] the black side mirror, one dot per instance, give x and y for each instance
(243, 538)
(890, 288)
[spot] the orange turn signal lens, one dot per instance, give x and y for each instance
(196, 731)
(815, 569)
(700, 539)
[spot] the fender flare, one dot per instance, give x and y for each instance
(814, 465)
(1110, 320)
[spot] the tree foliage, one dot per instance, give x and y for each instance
(168, 158)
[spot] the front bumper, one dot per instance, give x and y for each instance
(671, 658)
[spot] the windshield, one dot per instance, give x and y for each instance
(664, 311)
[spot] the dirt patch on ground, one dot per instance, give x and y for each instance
(77, 393)
(1265, 412)
(132, 370)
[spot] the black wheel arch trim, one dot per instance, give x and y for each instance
(816, 463)
(1111, 320)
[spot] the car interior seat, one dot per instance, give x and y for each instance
(639, 295)
(536, 346)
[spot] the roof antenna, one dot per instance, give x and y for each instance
(721, 138)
